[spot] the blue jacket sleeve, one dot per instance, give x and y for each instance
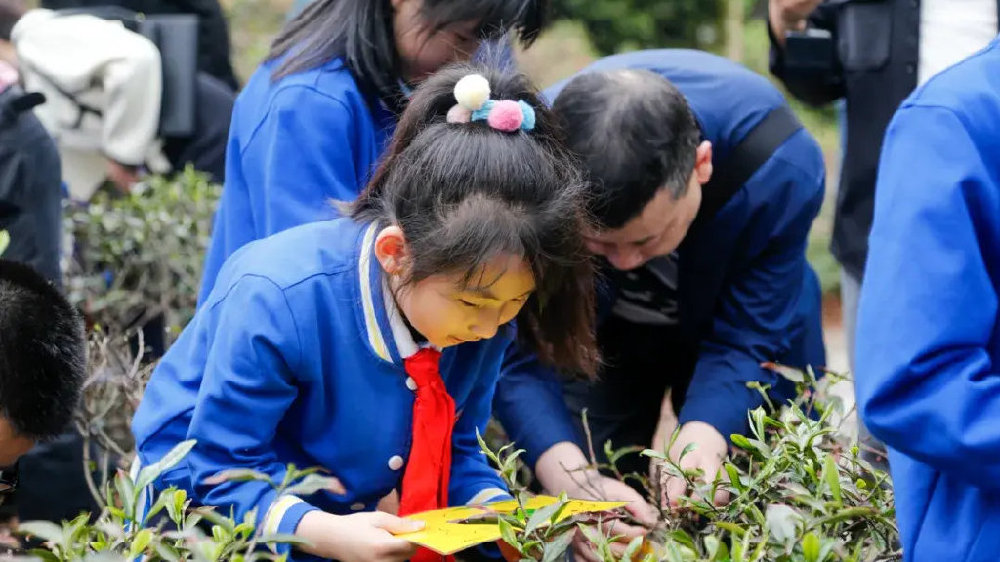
(248, 375)
(472, 478)
(754, 315)
(927, 384)
(529, 404)
(300, 159)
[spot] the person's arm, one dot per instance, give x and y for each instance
(753, 320)
(530, 406)
(249, 373)
(813, 85)
(300, 159)
(926, 379)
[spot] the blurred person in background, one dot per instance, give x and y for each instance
(873, 54)
(30, 174)
(103, 86)
(214, 56)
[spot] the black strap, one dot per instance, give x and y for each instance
(748, 156)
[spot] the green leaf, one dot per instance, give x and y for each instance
(140, 542)
(783, 522)
(45, 530)
(508, 535)
(542, 516)
(281, 538)
(681, 536)
(687, 449)
(832, 477)
(314, 483)
(733, 528)
(176, 507)
(126, 493)
(4, 241)
(237, 475)
(734, 476)
(810, 547)
(741, 442)
(555, 549)
(150, 473)
(167, 552)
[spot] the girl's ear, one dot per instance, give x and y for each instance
(703, 162)
(391, 250)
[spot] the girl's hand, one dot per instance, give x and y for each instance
(359, 537)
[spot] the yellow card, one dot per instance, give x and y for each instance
(445, 532)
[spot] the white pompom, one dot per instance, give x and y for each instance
(472, 91)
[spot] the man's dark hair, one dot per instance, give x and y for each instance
(464, 193)
(43, 354)
(10, 12)
(635, 134)
(361, 32)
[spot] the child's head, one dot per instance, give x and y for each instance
(640, 144)
(480, 226)
(385, 42)
(43, 359)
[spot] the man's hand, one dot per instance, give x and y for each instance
(790, 15)
(710, 449)
(562, 469)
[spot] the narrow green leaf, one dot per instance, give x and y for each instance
(4, 241)
(810, 547)
(832, 477)
(150, 473)
(45, 530)
(508, 535)
(314, 483)
(542, 516)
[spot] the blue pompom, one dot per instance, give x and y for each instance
(529, 116)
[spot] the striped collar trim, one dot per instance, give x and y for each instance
(386, 331)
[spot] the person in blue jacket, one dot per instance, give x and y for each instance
(312, 122)
(701, 289)
(927, 346)
(309, 349)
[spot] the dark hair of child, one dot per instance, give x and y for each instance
(361, 32)
(43, 354)
(464, 193)
(635, 134)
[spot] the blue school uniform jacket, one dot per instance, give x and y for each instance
(746, 293)
(295, 145)
(296, 357)
(928, 348)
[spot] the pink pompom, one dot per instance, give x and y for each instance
(505, 116)
(458, 114)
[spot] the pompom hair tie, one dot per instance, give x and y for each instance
(472, 94)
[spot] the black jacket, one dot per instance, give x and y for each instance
(30, 187)
(874, 66)
(213, 30)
